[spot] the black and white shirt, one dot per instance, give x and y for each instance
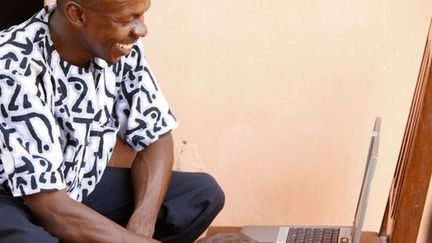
(59, 122)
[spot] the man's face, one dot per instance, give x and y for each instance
(112, 26)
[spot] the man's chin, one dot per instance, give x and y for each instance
(113, 60)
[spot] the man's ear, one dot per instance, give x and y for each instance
(74, 13)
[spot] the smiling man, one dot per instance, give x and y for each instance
(73, 79)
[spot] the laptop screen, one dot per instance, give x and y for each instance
(367, 179)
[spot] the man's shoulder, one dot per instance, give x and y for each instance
(27, 35)
(33, 27)
(22, 44)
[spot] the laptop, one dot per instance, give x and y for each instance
(325, 234)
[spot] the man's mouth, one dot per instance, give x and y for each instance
(125, 47)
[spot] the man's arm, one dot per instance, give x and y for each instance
(72, 221)
(151, 174)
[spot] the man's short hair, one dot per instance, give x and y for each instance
(81, 2)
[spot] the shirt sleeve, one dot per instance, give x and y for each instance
(30, 151)
(142, 110)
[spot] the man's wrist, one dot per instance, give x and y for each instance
(141, 225)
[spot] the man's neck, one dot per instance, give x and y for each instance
(66, 41)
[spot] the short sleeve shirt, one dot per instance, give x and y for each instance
(59, 122)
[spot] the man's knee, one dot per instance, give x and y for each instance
(195, 195)
(192, 202)
(211, 190)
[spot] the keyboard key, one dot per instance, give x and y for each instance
(314, 235)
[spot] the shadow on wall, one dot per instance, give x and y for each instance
(13, 12)
(429, 230)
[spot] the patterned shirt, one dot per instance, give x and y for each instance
(59, 122)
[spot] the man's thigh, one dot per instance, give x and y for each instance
(18, 225)
(113, 196)
(190, 204)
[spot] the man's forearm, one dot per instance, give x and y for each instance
(72, 221)
(151, 174)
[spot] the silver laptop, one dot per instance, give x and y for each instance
(327, 234)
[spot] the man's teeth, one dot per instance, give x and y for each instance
(125, 46)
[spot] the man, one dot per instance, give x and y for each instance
(72, 79)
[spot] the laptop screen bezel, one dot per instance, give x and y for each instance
(367, 179)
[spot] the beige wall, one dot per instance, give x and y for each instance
(277, 98)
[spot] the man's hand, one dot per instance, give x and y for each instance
(227, 238)
(141, 225)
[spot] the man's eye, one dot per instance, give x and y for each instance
(125, 20)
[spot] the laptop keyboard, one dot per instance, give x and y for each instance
(313, 235)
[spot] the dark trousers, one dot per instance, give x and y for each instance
(192, 202)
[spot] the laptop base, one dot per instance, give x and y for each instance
(295, 233)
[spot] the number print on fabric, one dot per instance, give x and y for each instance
(59, 122)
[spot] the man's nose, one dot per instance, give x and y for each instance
(140, 29)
